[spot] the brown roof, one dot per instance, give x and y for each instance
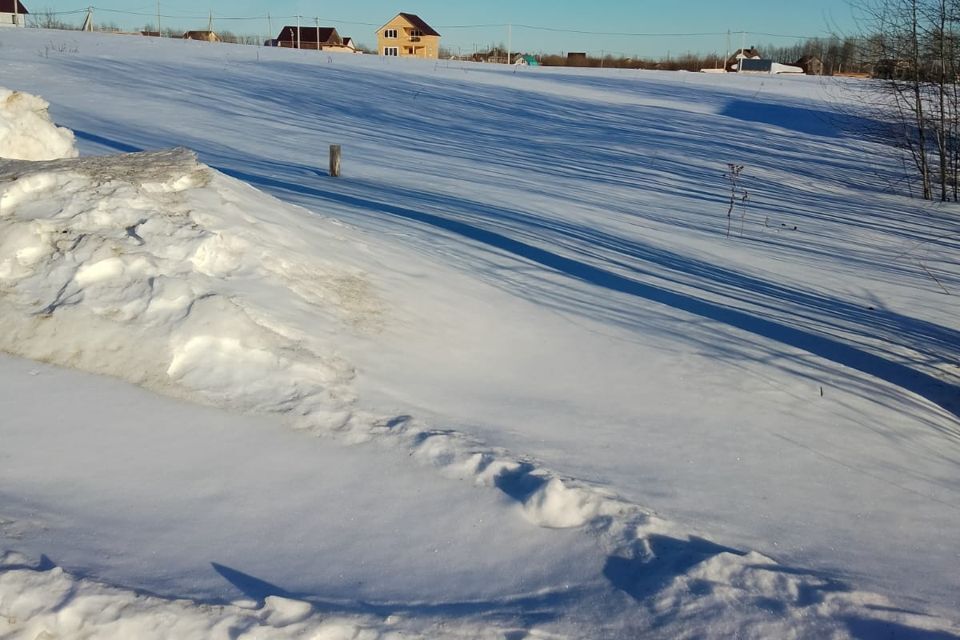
(327, 35)
(419, 24)
(200, 35)
(6, 6)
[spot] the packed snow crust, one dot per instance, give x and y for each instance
(162, 271)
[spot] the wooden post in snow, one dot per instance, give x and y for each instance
(334, 161)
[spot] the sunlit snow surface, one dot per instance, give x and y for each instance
(525, 281)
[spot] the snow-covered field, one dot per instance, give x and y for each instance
(509, 377)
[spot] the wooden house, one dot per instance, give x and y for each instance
(811, 65)
(733, 62)
(13, 13)
(408, 35)
(316, 38)
(204, 36)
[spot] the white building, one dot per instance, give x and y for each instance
(13, 13)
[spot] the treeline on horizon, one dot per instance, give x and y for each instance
(839, 55)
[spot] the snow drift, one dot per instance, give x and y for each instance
(155, 269)
(26, 132)
(124, 266)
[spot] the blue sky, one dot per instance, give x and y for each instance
(606, 17)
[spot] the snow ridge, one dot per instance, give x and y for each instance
(54, 604)
(131, 249)
(688, 584)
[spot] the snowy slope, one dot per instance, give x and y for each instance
(538, 262)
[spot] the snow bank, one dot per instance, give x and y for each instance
(130, 266)
(717, 594)
(26, 132)
(54, 604)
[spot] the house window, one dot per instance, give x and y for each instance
(391, 51)
(390, 33)
(416, 33)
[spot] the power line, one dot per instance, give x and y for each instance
(619, 33)
(62, 13)
(630, 34)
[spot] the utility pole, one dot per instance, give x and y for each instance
(88, 21)
(269, 27)
(159, 32)
(210, 23)
(509, 43)
(726, 58)
(743, 44)
(318, 33)
(298, 31)
(16, 13)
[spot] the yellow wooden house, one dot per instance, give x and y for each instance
(408, 36)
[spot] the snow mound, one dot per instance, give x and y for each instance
(137, 266)
(48, 602)
(158, 270)
(26, 132)
(54, 604)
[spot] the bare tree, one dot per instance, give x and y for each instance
(914, 42)
(48, 19)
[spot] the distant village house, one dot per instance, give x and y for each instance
(495, 56)
(204, 36)
(750, 61)
(13, 13)
(733, 62)
(407, 35)
(811, 65)
(315, 38)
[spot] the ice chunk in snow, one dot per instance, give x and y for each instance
(26, 132)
